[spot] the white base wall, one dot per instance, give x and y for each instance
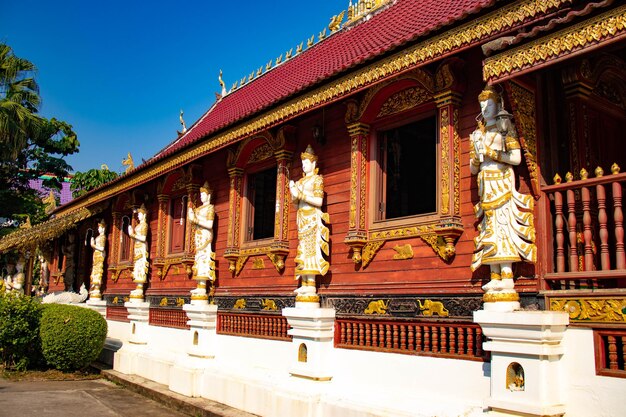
(253, 375)
(588, 394)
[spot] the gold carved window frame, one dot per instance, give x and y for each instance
(250, 156)
(183, 183)
(417, 89)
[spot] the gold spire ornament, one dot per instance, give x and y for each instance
(129, 163)
(182, 122)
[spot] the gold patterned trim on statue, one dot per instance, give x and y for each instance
(500, 297)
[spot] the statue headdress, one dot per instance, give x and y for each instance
(102, 223)
(206, 188)
(142, 209)
(489, 93)
(309, 154)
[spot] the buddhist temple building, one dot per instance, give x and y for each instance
(389, 98)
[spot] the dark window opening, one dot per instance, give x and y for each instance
(408, 158)
(262, 198)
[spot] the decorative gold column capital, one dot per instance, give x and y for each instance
(235, 172)
(447, 98)
(358, 128)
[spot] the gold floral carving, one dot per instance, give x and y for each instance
(363, 182)
(439, 245)
(277, 260)
(353, 180)
(439, 239)
(592, 309)
(241, 260)
(163, 302)
(404, 100)
(577, 37)
(258, 263)
(524, 113)
(369, 251)
(117, 272)
(498, 21)
(180, 302)
(500, 297)
(403, 252)
(457, 163)
(240, 304)
(261, 153)
(445, 161)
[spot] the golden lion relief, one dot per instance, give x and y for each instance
(269, 305)
(240, 304)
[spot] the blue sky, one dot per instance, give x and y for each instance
(120, 71)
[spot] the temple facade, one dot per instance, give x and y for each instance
(367, 161)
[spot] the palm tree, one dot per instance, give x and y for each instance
(19, 103)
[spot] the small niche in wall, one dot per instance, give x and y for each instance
(515, 377)
(195, 338)
(133, 329)
(302, 353)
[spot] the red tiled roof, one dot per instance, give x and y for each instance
(404, 21)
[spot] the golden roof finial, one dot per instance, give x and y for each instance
(335, 21)
(279, 59)
(288, 54)
(259, 71)
(182, 122)
(129, 163)
(322, 35)
(310, 41)
(299, 48)
(222, 84)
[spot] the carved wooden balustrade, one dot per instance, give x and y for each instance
(117, 313)
(453, 340)
(168, 317)
(588, 231)
(610, 353)
(262, 326)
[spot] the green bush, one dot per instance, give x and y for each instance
(20, 346)
(71, 337)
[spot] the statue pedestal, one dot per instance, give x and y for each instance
(526, 370)
(186, 372)
(138, 313)
(98, 305)
(202, 334)
(313, 331)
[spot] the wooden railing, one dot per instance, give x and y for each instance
(453, 340)
(117, 313)
(588, 231)
(262, 326)
(168, 317)
(610, 353)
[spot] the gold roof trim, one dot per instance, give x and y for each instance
(426, 51)
(557, 46)
(48, 230)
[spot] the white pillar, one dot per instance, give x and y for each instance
(186, 374)
(98, 305)
(526, 366)
(312, 346)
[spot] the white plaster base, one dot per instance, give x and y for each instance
(312, 345)
(201, 336)
(531, 339)
(138, 313)
(98, 305)
(186, 376)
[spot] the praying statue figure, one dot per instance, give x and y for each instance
(204, 261)
(19, 279)
(140, 252)
(97, 267)
(308, 194)
(506, 232)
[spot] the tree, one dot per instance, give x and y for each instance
(91, 179)
(30, 145)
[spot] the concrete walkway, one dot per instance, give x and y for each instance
(99, 398)
(127, 396)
